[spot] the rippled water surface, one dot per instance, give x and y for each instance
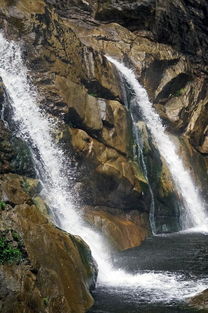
(171, 268)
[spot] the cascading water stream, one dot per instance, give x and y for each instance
(152, 207)
(194, 208)
(37, 130)
(138, 152)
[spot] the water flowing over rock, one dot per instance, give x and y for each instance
(174, 84)
(63, 47)
(50, 162)
(195, 214)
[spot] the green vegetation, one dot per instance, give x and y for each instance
(8, 253)
(179, 92)
(15, 235)
(11, 248)
(2, 205)
(93, 94)
(46, 301)
(25, 186)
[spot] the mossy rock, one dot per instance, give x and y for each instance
(22, 162)
(87, 260)
(12, 250)
(41, 205)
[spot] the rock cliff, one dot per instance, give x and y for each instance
(64, 44)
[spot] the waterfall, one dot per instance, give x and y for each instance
(138, 152)
(140, 158)
(37, 130)
(195, 213)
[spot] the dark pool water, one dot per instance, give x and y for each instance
(181, 256)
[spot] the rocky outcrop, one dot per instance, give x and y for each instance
(14, 153)
(83, 96)
(123, 230)
(31, 278)
(200, 301)
(181, 24)
(111, 179)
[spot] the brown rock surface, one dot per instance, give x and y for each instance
(45, 283)
(14, 153)
(200, 301)
(32, 280)
(124, 231)
(17, 189)
(81, 87)
(109, 177)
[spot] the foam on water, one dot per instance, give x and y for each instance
(156, 287)
(37, 129)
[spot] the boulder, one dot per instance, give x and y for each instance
(124, 231)
(200, 301)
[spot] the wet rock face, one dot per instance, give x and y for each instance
(15, 155)
(123, 230)
(135, 15)
(185, 26)
(106, 176)
(64, 44)
(31, 278)
(74, 8)
(39, 286)
(181, 24)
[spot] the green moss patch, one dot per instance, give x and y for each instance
(2, 205)
(12, 250)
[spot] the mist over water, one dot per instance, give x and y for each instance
(37, 130)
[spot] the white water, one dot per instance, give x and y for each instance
(139, 154)
(37, 129)
(195, 213)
